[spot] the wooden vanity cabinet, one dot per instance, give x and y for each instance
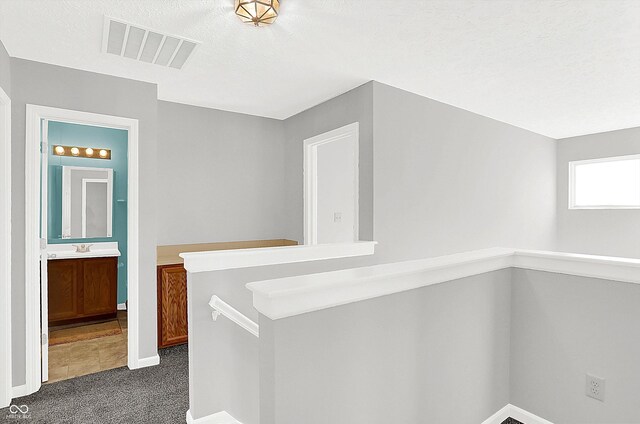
(172, 305)
(172, 284)
(82, 289)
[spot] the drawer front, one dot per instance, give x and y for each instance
(172, 306)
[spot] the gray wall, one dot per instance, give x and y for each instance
(565, 326)
(600, 232)
(223, 175)
(5, 70)
(223, 358)
(353, 106)
(48, 85)
(448, 180)
(432, 355)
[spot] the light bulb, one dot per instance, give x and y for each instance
(59, 150)
(257, 12)
(75, 151)
(103, 153)
(89, 151)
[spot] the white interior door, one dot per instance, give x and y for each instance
(44, 292)
(331, 187)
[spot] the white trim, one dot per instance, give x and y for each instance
(147, 362)
(32, 250)
(34, 114)
(625, 270)
(5, 251)
(526, 416)
(285, 297)
(217, 260)
(19, 391)
(66, 202)
(217, 418)
(122, 306)
(499, 416)
(572, 183)
(516, 413)
(310, 175)
(220, 307)
(44, 257)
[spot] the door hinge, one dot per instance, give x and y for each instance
(43, 244)
(44, 147)
(44, 338)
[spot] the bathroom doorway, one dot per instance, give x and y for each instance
(84, 225)
(75, 253)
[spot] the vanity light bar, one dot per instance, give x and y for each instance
(82, 152)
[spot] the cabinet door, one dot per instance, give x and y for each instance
(100, 285)
(172, 301)
(63, 275)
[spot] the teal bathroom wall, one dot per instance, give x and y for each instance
(95, 137)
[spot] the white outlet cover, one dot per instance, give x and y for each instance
(595, 387)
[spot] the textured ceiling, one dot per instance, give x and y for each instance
(559, 68)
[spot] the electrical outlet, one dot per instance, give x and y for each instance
(337, 217)
(594, 387)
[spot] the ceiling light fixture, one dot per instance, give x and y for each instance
(258, 12)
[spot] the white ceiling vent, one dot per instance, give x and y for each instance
(136, 42)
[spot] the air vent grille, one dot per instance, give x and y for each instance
(146, 45)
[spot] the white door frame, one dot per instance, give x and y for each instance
(35, 114)
(311, 178)
(5, 250)
(44, 258)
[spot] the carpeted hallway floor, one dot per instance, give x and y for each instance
(153, 395)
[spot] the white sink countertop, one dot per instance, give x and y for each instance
(96, 250)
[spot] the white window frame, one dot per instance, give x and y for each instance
(572, 182)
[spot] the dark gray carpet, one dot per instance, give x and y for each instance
(153, 395)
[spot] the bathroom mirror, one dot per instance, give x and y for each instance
(87, 202)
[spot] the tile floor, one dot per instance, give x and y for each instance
(89, 356)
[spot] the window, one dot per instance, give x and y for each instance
(608, 183)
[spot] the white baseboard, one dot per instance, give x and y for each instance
(217, 418)
(19, 391)
(122, 306)
(148, 362)
(499, 416)
(526, 417)
(516, 413)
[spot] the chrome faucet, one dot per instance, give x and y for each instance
(82, 248)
